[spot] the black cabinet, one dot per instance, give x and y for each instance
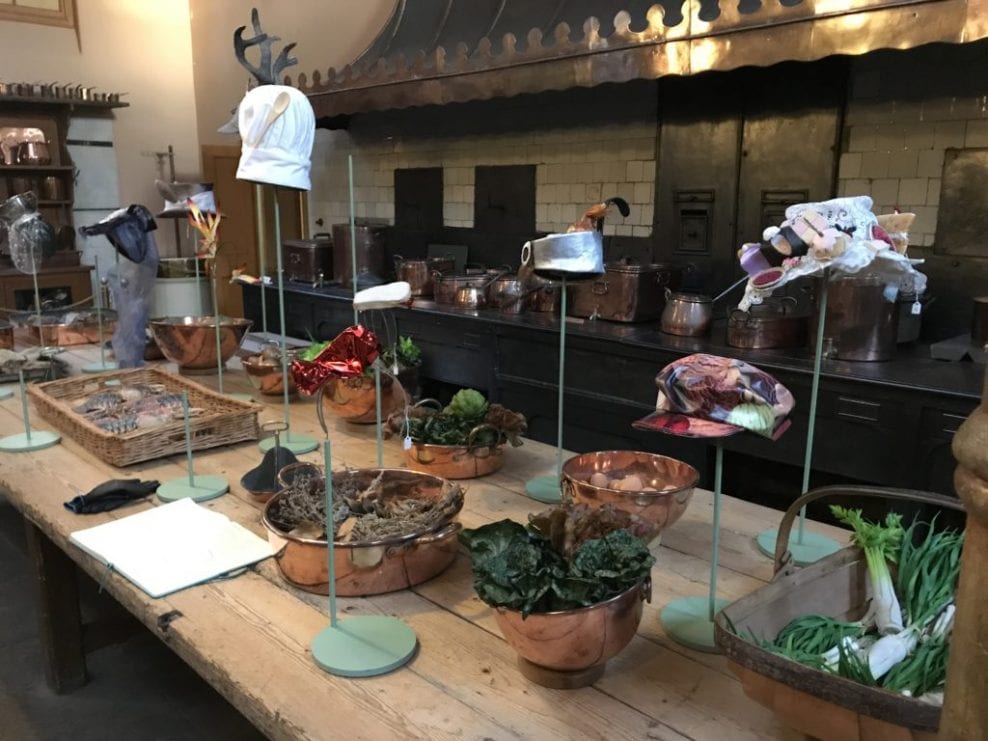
(889, 424)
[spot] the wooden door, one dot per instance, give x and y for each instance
(240, 238)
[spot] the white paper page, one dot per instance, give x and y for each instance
(172, 546)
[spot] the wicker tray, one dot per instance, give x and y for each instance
(816, 703)
(225, 421)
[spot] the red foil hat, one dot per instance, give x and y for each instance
(353, 350)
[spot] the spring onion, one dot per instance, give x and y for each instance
(880, 544)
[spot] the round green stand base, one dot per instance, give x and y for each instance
(6, 393)
(812, 549)
(364, 646)
(21, 443)
(206, 487)
(687, 621)
(99, 367)
(544, 489)
(241, 397)
(298, 444)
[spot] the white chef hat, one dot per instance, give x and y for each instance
(279, 154)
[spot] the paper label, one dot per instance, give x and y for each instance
(407, 443)
(917, 307)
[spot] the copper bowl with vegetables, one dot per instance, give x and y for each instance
(393, 529)
(654, 487)
(463, 440)
(355, 399)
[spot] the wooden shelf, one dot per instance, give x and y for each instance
(63, 102)
(35, 168)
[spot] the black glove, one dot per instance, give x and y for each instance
(110, 495)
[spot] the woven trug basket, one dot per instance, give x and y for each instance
(224, 421)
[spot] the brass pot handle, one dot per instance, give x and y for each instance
(646, 590)
(428, 403)
(441, 534)
(476, 431)
(783, 558)
(599, 287)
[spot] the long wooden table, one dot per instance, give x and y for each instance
(249, 637)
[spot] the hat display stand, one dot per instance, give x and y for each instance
(547, 488)
(294, 441)
(25, 442)
(102, 365)
(364, 645)
(807, 547)
(196, 488)
(690, 620)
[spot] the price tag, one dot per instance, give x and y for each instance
(917, 307)
(407, 443)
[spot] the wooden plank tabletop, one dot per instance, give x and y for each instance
(249, 637)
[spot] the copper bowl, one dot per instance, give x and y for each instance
(6, 335)
(355, 399)
(373, 567)
(266, 375)
(674, 479)
(190, 341)
(580, 640)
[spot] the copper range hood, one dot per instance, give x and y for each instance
(434, 52)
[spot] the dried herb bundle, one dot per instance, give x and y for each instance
(375, 511)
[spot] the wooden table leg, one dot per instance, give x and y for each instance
(59, 618)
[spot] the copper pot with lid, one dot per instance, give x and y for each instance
(420, 273)
(774, 324)
(687, 314)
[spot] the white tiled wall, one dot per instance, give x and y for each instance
(580, 159)
(904, 111)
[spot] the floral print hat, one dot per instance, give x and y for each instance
(710, 396)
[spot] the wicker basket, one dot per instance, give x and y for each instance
(224, 422)
(816, 703)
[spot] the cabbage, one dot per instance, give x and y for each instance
(468, 404)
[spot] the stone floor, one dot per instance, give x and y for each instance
(138, 689)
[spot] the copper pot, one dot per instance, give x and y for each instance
(373, 567)
(456, 461)
(266, 375)
(446, 287)
(507, 294)
(32, 153)
(574, 640)
(420, 274)
(766, 326)
(687, 314)
(355, 399)
(673, 479)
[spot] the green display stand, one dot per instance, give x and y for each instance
(362, 646)
(25, 442)
(294, 441)
(690, 620)
(6, 394)
(102, 365)
(196, 488)
(547, 488)
(806, 547)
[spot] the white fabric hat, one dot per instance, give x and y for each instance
(279, 153)
(177, 195)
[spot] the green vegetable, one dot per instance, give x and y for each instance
(924, 670)
(312, 351)
(928, 571)
(880, 544)
(815, 634)
(406, 354)
(516, 568)
(468, 404)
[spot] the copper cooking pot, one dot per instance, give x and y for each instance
(420, 273)
(766, 326)
(373, 567)
(355, 399)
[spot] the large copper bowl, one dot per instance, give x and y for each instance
(580, 640)
(674, 480)
(373, 567)
(355, 399)
(190, 341)
(265, 375)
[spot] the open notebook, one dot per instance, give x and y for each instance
(172, 547)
